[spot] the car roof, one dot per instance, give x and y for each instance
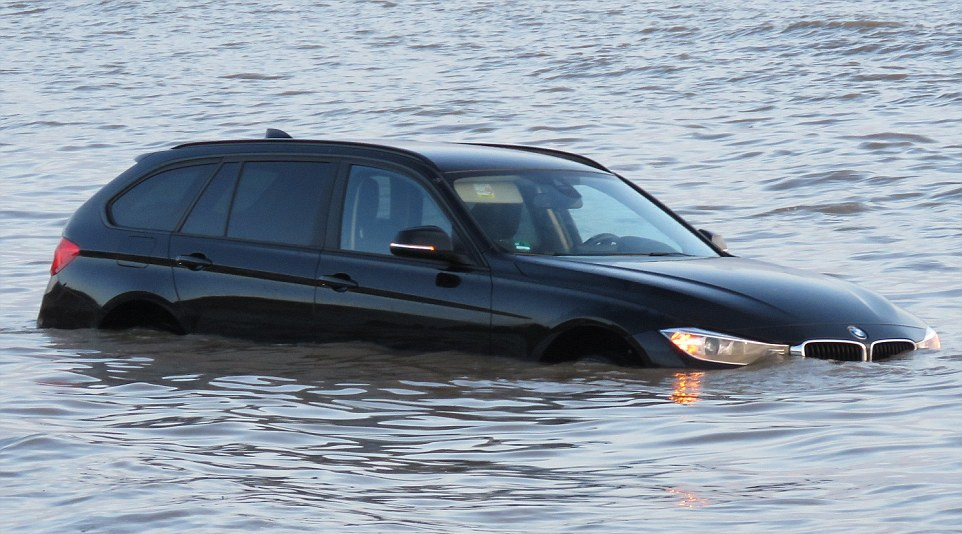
(446, 157)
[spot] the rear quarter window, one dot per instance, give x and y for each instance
(159, 202)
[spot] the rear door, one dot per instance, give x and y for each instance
(245, 257)
(366, 293)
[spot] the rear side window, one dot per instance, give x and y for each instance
(209, 216)
(158, 202)
(280, 201)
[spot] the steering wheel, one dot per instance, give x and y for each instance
(602, 240)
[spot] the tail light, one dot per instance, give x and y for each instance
(66, 251)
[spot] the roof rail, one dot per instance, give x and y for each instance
(578, 158)
(274, 133)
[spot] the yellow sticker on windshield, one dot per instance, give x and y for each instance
(488, 190)
(484, 191)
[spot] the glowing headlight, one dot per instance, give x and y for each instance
(930, 341)
(721, 348)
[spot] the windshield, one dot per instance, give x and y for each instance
(569, 213)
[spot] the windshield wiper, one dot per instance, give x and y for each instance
(662, 254)
(623, 254)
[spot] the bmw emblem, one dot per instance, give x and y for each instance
(857, 332)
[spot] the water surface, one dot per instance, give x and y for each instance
(818, 134)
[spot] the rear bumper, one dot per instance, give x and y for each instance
(63, 307)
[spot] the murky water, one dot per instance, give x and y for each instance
(826, 135)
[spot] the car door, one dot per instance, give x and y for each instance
(366, 293)
(245, 257)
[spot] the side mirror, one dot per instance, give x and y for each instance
(426, 243)
(716, 239)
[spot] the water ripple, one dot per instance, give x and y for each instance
(822, 135)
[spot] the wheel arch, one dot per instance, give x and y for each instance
(141, 309)
(579, 338)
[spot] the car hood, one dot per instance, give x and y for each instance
(735, 294)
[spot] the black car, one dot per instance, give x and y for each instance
(497, 249)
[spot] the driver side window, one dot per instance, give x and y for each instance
(380, 203)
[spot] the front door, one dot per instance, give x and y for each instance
(365, 293)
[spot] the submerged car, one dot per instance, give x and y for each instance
(509, 250)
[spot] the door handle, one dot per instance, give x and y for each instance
(339, 282)
(195, 261)
(447, 280)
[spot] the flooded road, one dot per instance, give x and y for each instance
(821, 135)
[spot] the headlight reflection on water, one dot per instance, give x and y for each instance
(688, 498)
(687, 387)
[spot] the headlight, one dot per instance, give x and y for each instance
(721, 348)
(930, 341)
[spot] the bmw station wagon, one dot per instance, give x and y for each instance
(489, 249)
